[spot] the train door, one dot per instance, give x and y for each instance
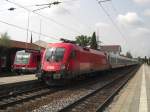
(73, 63)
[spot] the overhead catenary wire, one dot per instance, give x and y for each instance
(108, 15)
(103, 1)
(114, 8)
(46, 5)
(25, 29)
(41, 8)
(117, 13)
(77, 20)
(45, 17)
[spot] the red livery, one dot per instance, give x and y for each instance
(66, 60)
(27, 61)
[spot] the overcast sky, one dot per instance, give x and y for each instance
(75, 17)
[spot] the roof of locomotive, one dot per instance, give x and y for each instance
(62, 44)
(70, 45)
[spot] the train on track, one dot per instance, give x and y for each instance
(27, 61)
(62, 61)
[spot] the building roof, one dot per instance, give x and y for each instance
(111, 48)
(41, 43)
(24, 45)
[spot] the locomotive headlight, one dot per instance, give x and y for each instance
(63, 67)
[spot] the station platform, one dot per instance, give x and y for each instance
(15, 79)
(135, 96)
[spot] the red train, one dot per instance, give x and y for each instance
(27, 61)
(67, 60)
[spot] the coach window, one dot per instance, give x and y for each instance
(73, 54)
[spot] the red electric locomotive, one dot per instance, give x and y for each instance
(27, 61)
(67, 60)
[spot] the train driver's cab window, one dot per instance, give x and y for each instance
(55, 54)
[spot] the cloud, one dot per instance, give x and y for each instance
(100, 24)
(141, 32)
(144, 30)
(60, 10)
(137, 33)
(147, 12)
(143, 2)
(108, 34)
(139, 40)
(103, 28)
(129, 19)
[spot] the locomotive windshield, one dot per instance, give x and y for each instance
(22, 58)
(54, 54)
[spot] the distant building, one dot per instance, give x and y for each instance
(111, 49)
(41, 43)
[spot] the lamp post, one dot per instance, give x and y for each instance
(28, 23)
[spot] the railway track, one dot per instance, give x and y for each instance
(18, 98)
(13, 88)
(24, 97)
(100, 98)
(22, 92)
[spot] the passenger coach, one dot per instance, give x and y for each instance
(27, 61)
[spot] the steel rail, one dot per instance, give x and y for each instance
(16, 88)
(25, 97)
(79, 103)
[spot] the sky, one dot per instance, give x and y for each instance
(124, 22)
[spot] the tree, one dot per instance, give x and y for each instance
(93, 42)
(4, 44)
(128, 54)
(83, 40)
(145, 59)
(149, 61)
(4, 49)
(5, 40)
